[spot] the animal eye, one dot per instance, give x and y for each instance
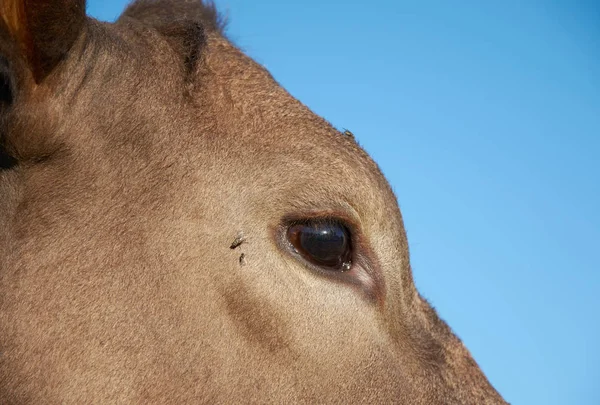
(6, 93)
(6, 160)
(324, 243)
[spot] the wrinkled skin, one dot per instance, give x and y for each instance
(135, 154)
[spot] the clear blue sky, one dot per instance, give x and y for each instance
(485, 118)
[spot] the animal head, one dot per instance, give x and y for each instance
(176, 228)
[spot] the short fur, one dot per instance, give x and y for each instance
(143, 257)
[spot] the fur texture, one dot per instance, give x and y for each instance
(139, 155)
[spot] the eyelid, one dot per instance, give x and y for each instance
(346, 216)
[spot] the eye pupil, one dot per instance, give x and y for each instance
(323, 243)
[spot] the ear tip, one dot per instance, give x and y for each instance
(44, 30)
(12, 14)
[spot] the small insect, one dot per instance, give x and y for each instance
(348, 134)
(242, 259)
(238, 241)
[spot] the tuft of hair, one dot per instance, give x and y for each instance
(164, 12)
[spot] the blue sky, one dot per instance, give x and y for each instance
(485, 118)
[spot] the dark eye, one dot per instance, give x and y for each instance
(6, 90)
(6, 160)
(6, 99)
(324, 243)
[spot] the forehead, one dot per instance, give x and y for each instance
(226, 119)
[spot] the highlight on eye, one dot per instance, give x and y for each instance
(325, 243)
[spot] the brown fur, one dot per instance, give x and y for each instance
(138, 157)
(45, 30)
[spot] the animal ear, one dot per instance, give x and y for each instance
(43, 30)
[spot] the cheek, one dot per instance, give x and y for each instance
(260, 324)
(344, 351)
